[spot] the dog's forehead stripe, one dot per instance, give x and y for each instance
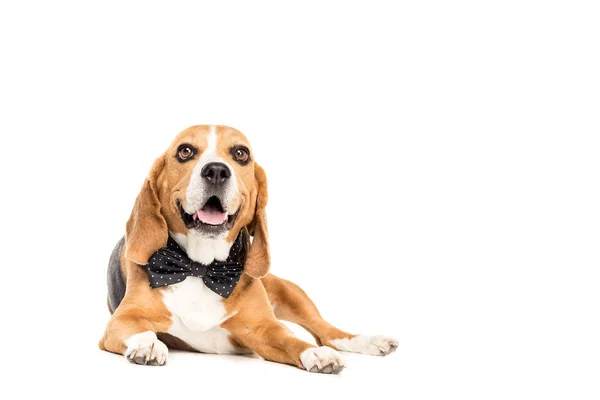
(212, 139)
(210, 153)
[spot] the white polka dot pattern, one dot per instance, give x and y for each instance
(171, 264)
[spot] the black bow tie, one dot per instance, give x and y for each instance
(171, 264)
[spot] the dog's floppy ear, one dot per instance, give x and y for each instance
(146, 230)
(259, 256)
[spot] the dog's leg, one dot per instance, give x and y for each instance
(133, 335)
(273, 341)
(290, 303)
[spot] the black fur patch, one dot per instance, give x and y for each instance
(115, 280)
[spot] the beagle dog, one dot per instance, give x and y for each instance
(188, 276)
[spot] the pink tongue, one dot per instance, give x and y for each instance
(211, 217)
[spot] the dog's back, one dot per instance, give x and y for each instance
(115, 280)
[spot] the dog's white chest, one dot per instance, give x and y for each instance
(197, 313)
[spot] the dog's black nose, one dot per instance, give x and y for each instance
(215, 172)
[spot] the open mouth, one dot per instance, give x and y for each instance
(212, 214)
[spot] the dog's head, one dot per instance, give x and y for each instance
(206, 183)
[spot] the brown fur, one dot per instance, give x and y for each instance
(259, 258)
(141, 310)
(146, 229)
(255, 325)
(292, 304)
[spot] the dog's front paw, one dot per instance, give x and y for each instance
(373, 345)
(322, 359)
(145, 348)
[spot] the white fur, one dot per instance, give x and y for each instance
(147, 346)
(203, 249)
(322, 359)
(373, 345)
(196, 310)
(212, 140)
(195, 193)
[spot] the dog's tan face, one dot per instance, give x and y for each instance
(206, 183)
(210, 182)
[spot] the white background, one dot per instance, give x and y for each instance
(433, 171)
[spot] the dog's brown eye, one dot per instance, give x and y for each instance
(241, 155)
(185, 152)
